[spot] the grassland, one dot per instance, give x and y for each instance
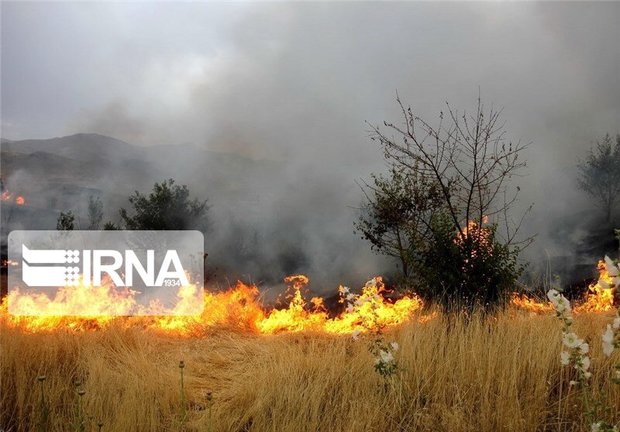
(498, 374)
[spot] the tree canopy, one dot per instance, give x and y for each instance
(167, 207)
(599, 174)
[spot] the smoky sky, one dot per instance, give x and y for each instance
(296, 82)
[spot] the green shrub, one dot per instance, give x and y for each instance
(468, 270)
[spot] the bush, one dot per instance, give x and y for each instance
(463, 271)
(167, 207)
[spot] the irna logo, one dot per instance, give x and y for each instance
(106, 272)
(62, 267)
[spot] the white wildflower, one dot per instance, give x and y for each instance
(386, 356)
(596, 427)
(584, 364)
(553, 296)
(394, 346)
(616, 323)
(611, 268)
(573, 383)
(608, 341)
(356, 334)
(564, 358)
(584, 348)
(571, 340)
(563, 305)
(560, 303)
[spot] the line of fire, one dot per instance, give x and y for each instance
(82, 306)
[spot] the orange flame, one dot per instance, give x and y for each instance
(478, 233)
(600, 297)
(8, 196)
(601, 294)
(238, 308)
(523, 302)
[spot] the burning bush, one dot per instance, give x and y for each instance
(467, 270)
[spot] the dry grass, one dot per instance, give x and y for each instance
(499, 375)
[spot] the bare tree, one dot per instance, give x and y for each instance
(467, 156)
(599, 174)
(443, 207)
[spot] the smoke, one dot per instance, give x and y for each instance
(292, 85)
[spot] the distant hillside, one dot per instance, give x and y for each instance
(81, 147)
(88, 157)
(60, 173)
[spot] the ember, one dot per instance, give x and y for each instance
(8, 196)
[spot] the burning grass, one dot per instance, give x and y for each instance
(500, 373)
(238, 307)
(246, 367)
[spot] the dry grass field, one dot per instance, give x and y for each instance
(498, 374)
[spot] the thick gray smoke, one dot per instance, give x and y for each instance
(292, 85)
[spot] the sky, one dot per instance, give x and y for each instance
(298, 82)
(204, 68)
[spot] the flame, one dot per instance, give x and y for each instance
(478, 233)
(237, 308)
(601, 294)
(8, 196)
(83, 307)
(86, 306)
(523, 302)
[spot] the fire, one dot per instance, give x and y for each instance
(523, 302)
(370, 307)
(478, 234)
(474, 229)
(240, 309)
(237, 308)
(601, 294)
(8, 196)
(85, 306)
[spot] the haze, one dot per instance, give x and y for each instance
(294, 83)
